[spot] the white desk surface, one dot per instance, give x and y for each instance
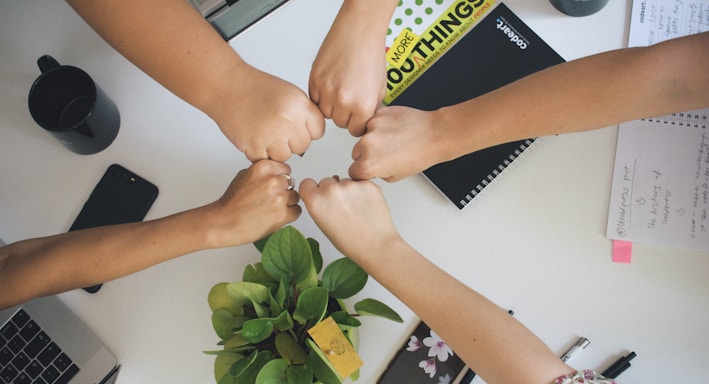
(533, 241)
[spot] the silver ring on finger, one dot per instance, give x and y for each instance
(291, 182)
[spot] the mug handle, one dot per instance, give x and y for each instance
(46, 63)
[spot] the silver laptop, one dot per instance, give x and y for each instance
(42, 341)
(231, 17)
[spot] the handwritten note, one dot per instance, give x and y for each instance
(660, 192)
(654, 21)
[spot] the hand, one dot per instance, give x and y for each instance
(256, 204)
(348, 77)
(267, 117)
(352, 214)
(400, 142)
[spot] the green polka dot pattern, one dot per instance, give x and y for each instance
(415, 15)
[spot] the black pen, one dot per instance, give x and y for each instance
(620, 370)
(619, 366)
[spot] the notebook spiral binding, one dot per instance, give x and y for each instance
(695, 119)
(496, 172)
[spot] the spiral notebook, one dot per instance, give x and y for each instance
(497, 49)
(660, 189)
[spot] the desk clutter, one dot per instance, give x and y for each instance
(453, 64)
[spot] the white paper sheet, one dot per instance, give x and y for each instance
(660, 191)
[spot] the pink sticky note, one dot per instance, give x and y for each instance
(621, 251)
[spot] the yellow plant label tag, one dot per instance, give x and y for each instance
(328, 336)
(402, 47)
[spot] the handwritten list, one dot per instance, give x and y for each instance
(660, 190)
(654, 21)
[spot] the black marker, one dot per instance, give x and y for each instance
(620, 370)
(619, 366)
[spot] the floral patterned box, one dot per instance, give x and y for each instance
(424, 358)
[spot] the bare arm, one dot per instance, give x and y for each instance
(588, 93)
(347, 80)
(354, 216)
(594, 92)
(172, 43)
(256, 204)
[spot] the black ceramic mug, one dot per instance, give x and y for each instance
(579, 7)
(68, 104)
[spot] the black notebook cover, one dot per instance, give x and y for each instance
(497, 51)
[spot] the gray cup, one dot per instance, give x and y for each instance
(66, 102)
(579, 7)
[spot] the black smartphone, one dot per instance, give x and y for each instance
(120, 197)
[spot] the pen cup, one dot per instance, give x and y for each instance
(579, 7)
(68, 104)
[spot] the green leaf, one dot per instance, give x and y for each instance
(257, 330)
(219, 298)
(259, 244)
(317, 256)
(273, 372)
(282, 294)
(311, 281)
(300, 374)
(277, 298)
(236, 341)
(255, 273)
(311, 306)
(354, 376)
(371, 307)
(225, 323)
(322, 368)
(352, 334)
(248, 372)
(289, 349)
(257, 294)
(224, 352)
(343, 278)
(344, 320)
(227, 379)
(240, 366)
(287, 256)
(223, 362)
(284, 322)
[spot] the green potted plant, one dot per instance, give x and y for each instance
(262, 321)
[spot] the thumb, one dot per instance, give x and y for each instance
(358, 172)
(307, 188)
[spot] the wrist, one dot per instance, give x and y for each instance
(216, 229)
(221, 90)
(389, 253)
(465, 128)
(446, 135)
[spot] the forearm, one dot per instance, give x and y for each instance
(55, 264)
(374, 13)
(589, 93)
(490, 341)
(169, 41)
